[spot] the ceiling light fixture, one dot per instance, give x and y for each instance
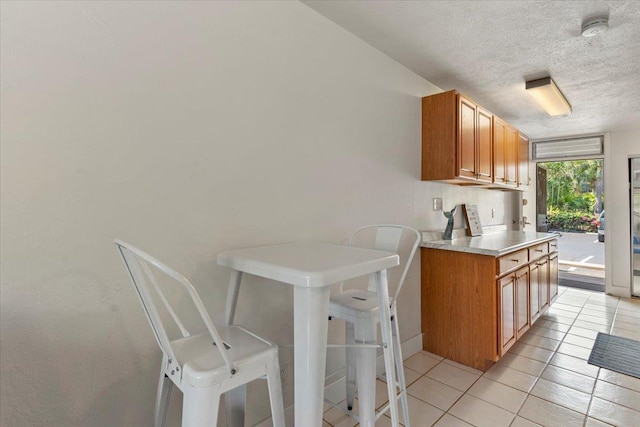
(595, 27)
(547, 94)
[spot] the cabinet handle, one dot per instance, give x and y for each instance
(514, 260)
(539, 250)
(553, 245)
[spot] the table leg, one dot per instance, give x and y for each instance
(311, 308)
(387, 338)
(366, 333)
(235, 399)
(232, 296)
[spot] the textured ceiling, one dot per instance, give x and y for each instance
(488, 49)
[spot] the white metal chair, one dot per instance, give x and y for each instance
(202, 366)
(359, 309)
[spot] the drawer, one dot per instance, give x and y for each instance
(553, 246)
(512, 261)
(538, 251)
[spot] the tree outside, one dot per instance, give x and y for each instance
(575, 194)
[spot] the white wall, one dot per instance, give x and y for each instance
(186, 129)
(619, 146)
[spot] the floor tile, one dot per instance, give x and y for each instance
(435, 393)
(630, 313)
(553, 325)
(619, 379)
(560, 306)
(574, 350)
(523, 422)
(480, 413)
(449, 420)
(410, 376)
(540, 341)
(628, 319)
(431, 355)
(546, 332)
(603, 311)
(420, 413)
(549, 414)
(611, 413)
(461, 366)
(337, 418)
(420, 363)
(532, 352)
(581, 332)
(569, 379)
(574, 364)
(561, 395)
(453, 376)
(579, 341)
(559, 319)
(616, 394)
(625, 325)
(599, 320)
(521, 363)
(511, 377)
(626, 333)
(592, 422)
(593, 326)
(498, 394)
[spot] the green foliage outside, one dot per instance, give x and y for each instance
(575, 195)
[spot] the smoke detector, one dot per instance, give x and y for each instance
(595, 27)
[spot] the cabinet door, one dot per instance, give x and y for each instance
(543, 283)
(534, 292)
(523, 160)
(466, 138)
(553, 277)
(507, 311)
(511, 155)
(522, 301)
(483, 146)
(499, 172)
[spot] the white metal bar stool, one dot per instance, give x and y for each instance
(360, 310)
(202, 366)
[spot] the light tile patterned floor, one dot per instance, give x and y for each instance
(543, 380)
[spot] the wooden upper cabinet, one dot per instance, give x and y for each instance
(467, 133)
(457, 142)
(484, 145)
(523, 160)
(462, 143)
(499, 161)
(511, 155)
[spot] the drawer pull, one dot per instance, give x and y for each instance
(538, 250)
(554, 245)
(514, 260)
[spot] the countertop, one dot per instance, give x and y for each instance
(494, 244)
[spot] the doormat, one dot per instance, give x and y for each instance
(616, 354)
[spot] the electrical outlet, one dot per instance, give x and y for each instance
(437, 203)
(284, 373)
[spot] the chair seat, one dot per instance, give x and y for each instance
(202, 363)
(355, 304)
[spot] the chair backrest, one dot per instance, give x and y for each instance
(140, 267)
(399, 239)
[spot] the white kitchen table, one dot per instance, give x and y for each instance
(311, 268)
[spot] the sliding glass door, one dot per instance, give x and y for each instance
(634, 175)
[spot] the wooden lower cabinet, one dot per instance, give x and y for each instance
(475, 307)
(513, 313)
(553, 277)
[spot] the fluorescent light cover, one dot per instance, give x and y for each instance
(547, 94)
(579, 147)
